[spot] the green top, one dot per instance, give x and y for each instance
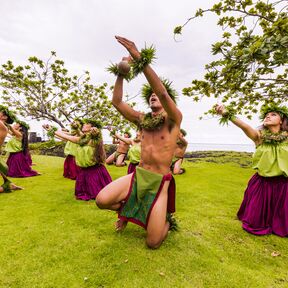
(134, 153)
(70, 148)
(271, 159)
(84, 156)
(13, 145)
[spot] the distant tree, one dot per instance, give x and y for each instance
(251, 67)
(44, 90)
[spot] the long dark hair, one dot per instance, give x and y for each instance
(284, 125)
(24, 131)
(100, 154)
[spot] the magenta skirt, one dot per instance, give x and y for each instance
(90, 181)
(132, 168)
(19, 165)
(264, 209)
(71, 170)
(28, 157)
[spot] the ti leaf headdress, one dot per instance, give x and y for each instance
(147, 90)
(23, 124)
(93, 122)
(272, 107)
(11, 115)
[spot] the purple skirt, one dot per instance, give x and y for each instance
(264, 209)
(71, 170)
(90, 181)
(28, 157)
(19, 165)
(132, 168)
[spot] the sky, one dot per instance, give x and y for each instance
(82, 34)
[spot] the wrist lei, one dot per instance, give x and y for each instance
(51, 132)
(113, 69)
(147, 55)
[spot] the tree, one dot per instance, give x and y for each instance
(44, 90)
(252, 63)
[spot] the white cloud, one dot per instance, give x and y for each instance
(82, 33)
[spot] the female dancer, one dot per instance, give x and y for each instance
(264, 209)
(6, 118)
(19, 160)
(71, 170)
(89, 156)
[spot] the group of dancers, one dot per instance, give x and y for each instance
(146, 195)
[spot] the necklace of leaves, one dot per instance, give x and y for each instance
(85, 139)
(274, 138)
(151, 123)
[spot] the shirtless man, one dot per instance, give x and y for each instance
(6, 117)
(119, 155)
(179, 153)
(158, 146)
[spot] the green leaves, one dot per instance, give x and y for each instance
(252, 58)
(44, 89)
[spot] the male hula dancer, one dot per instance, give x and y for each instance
(144, 197)
(6, 117)
(179, 153)
(119, 155)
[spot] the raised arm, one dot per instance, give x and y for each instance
(128, 112)
(3, 132)
(159, 89)
(155, 83)
(125, 140)
(252, 133)
(115, 141)
(62, 135)
(15, 132)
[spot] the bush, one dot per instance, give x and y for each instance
(54, 148)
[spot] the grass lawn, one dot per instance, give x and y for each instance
(49, 239)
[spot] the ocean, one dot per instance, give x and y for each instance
(220, 147)
(215, 147)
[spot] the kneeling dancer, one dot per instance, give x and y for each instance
(6, 118)
(90, 156)
(264, 209)
(146, 196)
(118, 157)
(19, 160)
(71, 170)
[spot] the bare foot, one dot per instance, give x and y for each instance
(182, 170)
(120, 225)
(15, 187)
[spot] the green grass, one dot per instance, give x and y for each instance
(49, 239)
